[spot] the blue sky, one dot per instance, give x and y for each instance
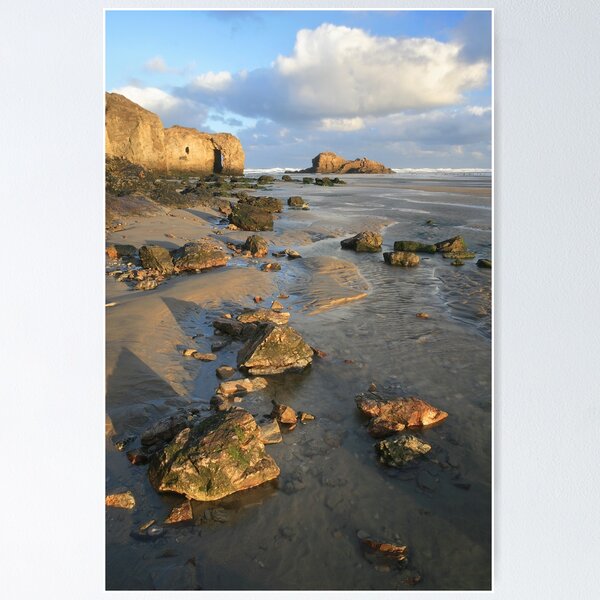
(408, 88)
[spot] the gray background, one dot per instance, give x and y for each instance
(546, 279)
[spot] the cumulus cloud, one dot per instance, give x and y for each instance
(171, 109)
(159, 65)
(213, 82)
(337, 72)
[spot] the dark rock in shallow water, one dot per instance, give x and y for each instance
(274, 349)
(225, 372)
(181, 512)
(297, 202)
(264, 179)
(165, 429)
(307, 180)
(270, 267)
(459, 255)
(408, 246)
(401, 259)
(272, 205)
(256, 245)
(156, 257)
(455, 244)
(400, 450)
(251, 218)
(365, 241)
(217, 457)
(284, 414)
(202, 254)
(484, 263)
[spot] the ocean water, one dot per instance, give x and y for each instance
(301, 531)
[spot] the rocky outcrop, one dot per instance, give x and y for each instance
(137, 135)
(298, 203)
(217, 457)
(267, 203)
(365, 241)
(274, 349)
(455, 244)
(156, 257)
(256, 245)
(330, 162)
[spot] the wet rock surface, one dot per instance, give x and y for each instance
(217, 457)
(251, 218)
(401, 259)
(203, 254)
(156, 257)
(121, 500)
(401, 450)
(365, 241)
(408, 246)
(274, 349)
(264, 315)
(256, 245)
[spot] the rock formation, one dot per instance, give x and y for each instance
(330, 162)
(137, 134)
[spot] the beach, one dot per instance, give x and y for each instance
(302, 530)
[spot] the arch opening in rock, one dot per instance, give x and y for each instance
(218, 162)
(187, 149)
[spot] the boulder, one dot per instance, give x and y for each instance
(365, 241)
(156, 257)
(400, 450)
(202, 254)
(251, 218)
(264, 315)
(270, 433)
(286, 178)
(219, 456)
(330, 162)
(401, 259)
(225, 372)
(284, 414)
(297, 202)
(229, 327)
(115, 251)
(307, 180)
(256, 245)
(455, 244)
(272, 205)
(264, 179)
(484, 263)
(396, 414)
(408, 246)
(325, 181)
(274, 349)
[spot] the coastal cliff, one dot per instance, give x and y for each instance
(330, 162)
(138, 135)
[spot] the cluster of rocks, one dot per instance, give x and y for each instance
(158, 262)
(405, 253)
(330, 162)
(389, 416)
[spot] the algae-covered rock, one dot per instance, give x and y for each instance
(365, 241)
(256, 245)
(408, 246)
(251, 218)
(264, 315)
(484, 263)
(400, 450)
(401, 259)
(307, 180)
(396, 414)
(274, 349)
(298, 203)
(219, 456)
(264, 179)
(455, 244)
(203, 254)
(156, 257)
(286, 178)
(273, 205)
(468, 255)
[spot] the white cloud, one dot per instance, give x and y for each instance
(212, 82)
(342, 124)
(171, 109)
(478, 110)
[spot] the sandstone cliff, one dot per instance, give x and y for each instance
(330, 162)
(137, 134)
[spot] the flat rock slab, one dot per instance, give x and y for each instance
(203, 254)
(270, 432)
(217, 457)
(122, 500)
(241, 386)
(264, 315)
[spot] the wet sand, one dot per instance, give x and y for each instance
(301, 531)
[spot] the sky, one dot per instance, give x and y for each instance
(406, 88)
